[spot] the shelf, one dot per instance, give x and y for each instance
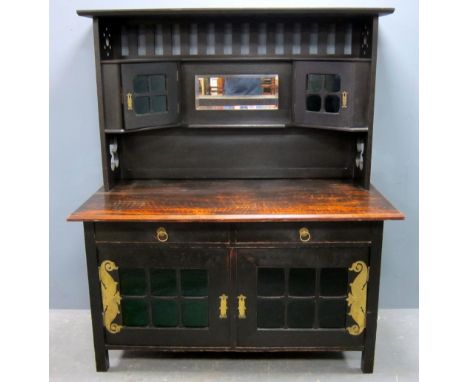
(363, 129)
(236, 201)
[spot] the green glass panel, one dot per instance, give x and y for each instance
(165, 313)
(301, 282)
(195, 313)
(332, 82)
(301, 313)
(158, 104)
(270, 313)
(332, 313)
(194, 282)
(132, 282)
(313, 102)
(158, 83)
(333, 282)
(140, 84)
(314, 83)
(163, 282)
(134, 312)
(141, 105)
(270, 282)
(332, 104)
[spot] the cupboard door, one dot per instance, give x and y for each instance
(150, 94)
(325, 96)
(293, 297)
(165, 297)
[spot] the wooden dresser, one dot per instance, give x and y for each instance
(237, 212)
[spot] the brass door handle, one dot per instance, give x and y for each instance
(161, 234)
(129, 101)
(223, 306)
(241, 306)
(344, 99)
(304, 235)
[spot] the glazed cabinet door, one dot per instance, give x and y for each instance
(161, 296)
(301, 297)
(150, 94)
(330, 94)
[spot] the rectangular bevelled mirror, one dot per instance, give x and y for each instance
(236, 92)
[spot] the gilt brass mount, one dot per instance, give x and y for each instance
(129, 101)
(110, 296)
(304, 235)
(162, 235)
(223, 306)
(242, 308)
(344, 99)
(357, 298)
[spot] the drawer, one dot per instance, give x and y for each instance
(303, 233)
(164, 233)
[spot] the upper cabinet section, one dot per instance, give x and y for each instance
(225, 34)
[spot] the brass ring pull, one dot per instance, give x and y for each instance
(304, 235)
(161, 234)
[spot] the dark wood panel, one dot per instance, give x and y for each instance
(289, 232)
(367, 359)
(239, 349)
(176, 233)
(237, 153)
(100, 352)
(112, 97)
(236, 200)
(240, 117)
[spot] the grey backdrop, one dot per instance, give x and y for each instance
(75, 163)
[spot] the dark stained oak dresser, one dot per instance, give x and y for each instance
(237, 212)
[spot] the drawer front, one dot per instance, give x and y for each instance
(303, 233)
(162, 233)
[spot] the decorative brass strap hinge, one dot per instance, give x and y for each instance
(242, 308)
(223, 306)
(357, 298)
(110, 296)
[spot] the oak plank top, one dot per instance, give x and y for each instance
(236, 201)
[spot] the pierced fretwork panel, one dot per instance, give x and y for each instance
(240, 38)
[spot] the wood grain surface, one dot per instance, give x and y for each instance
(236, 201)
